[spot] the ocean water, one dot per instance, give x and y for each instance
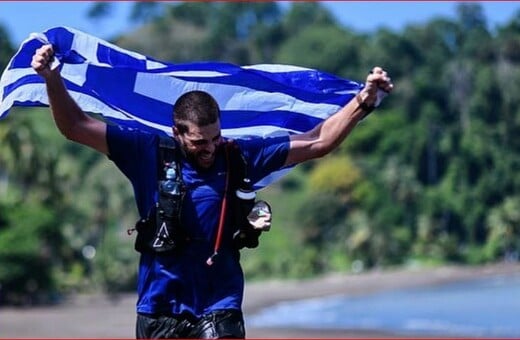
(481, 308)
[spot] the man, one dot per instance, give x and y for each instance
(186, 292)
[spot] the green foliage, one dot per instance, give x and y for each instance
(6, 47)
(503, 223)
(338, 54)
(26, 271)
(335, 175)
(428, 178)
(304, 14)
(114, 265)
(57, 199)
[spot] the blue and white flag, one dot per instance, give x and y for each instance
(134, 90)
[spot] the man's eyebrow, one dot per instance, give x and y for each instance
(203, 140)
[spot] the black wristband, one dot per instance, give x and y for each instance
(364, 106)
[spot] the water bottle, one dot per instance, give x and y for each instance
(170, 185)
(167, 213)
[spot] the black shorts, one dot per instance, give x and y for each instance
(219, 324)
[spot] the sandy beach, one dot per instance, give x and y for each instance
(93, 316)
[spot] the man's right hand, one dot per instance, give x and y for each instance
(42, 60)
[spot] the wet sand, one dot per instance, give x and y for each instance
(94, 316)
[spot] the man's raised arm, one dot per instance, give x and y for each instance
(326, 136)
(72, 122)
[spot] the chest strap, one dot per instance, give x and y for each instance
(223, 210)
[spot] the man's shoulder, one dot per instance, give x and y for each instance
(250, 140)
(122, 139)
(257, 149)
(166, 142)
(254, 141)
(114, 130)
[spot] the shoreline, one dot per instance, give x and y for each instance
(364, 283)
(358, 285)
(96, 316)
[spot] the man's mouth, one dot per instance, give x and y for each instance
(206, 158)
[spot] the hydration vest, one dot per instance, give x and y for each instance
(162, 231)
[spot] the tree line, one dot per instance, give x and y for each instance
(429, 178)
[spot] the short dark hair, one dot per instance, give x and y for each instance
(197, 107)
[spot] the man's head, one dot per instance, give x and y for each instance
(196, 117)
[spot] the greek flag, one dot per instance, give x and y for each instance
(138, 91)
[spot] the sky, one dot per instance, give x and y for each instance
(361, 16)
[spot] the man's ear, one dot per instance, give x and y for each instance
(175, 131)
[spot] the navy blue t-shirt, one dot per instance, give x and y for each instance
(182, 281)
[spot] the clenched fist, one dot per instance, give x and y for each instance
(377, 86)
(42, 60)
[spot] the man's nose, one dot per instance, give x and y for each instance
(211, 147)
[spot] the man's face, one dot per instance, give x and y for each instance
(200, 143)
